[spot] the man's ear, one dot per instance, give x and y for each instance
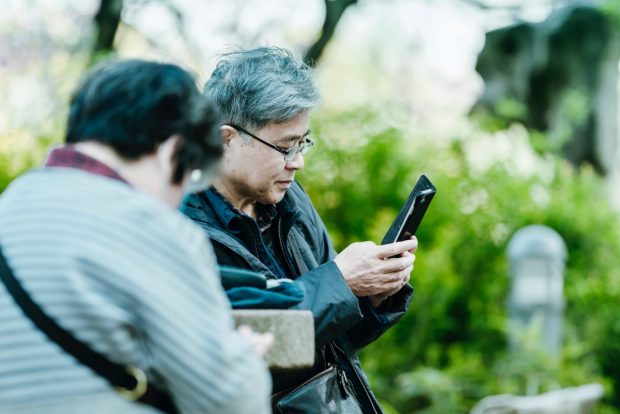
(228, 133)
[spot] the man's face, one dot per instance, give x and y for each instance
(254, 172)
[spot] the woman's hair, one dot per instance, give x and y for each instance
(132, 106)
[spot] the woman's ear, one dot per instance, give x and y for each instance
(165, 154)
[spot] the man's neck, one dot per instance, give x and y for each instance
(244, 204)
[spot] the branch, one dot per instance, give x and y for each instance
(106, 22)
(334, 9)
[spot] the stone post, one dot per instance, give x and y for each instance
(537, 256)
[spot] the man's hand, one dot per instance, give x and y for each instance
(377, 300)
(371, 270)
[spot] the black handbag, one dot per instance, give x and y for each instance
(130, 382)
(328, 392)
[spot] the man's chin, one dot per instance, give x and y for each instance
(274, 197)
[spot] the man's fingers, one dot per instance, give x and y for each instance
(401, 283)
(397, 264)
(394, 287)
(390, 279)
(396, 281)
(394, 249)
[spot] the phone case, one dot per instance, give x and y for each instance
(411, 214)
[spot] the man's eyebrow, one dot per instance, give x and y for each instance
(293, 138)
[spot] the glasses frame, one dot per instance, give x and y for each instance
(289, 153)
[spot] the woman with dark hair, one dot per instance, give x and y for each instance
(95, 241)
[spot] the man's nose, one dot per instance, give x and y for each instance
(296, 163)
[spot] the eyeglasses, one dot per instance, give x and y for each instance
(289, 153)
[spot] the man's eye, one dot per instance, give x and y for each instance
(297, 145)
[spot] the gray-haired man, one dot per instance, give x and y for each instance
(259, 218)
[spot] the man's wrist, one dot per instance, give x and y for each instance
(376, 300)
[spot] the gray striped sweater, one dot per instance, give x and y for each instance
(132, 278)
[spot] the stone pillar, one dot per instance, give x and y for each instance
(537, 255)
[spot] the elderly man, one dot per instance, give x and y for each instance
(259, 218)
(94, 240)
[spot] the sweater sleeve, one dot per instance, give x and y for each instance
(191, 338)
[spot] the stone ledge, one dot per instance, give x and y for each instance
(293, 332)
(574, 400)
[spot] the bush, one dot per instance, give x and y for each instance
(450, 349)
(19, 152)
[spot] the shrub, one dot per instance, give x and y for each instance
(450, 349)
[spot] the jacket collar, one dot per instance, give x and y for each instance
(67, 156)
(218, 217)
(212, 208)
(222, 210)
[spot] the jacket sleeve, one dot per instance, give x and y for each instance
(333, 305)
(376, 321)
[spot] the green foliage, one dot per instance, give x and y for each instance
(19, 152)
(612, 9)
(573, 104)
(450, 349)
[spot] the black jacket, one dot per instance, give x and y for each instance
(302, 240)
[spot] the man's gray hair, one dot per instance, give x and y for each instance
(258, 86)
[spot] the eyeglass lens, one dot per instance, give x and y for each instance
(298, 149)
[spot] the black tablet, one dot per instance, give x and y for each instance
(410, 216)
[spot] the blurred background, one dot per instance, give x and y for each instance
(509, 106)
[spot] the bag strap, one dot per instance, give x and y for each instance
(130, 382)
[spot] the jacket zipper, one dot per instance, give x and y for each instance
(255, 248)
(283, 250)
(255, 242)
(361, 382)
(241, 256)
